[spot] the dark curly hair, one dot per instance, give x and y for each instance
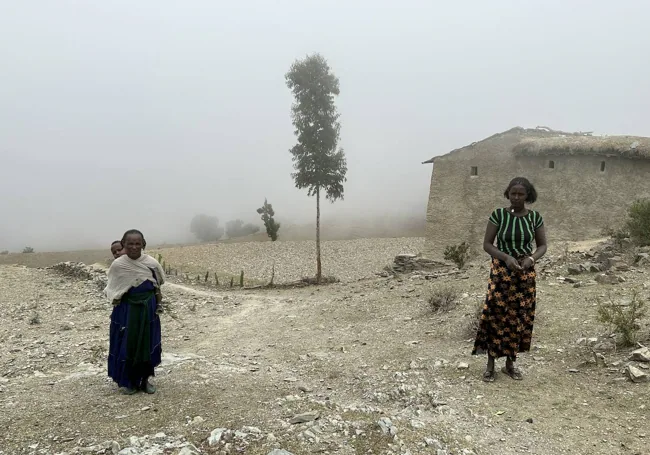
(134, 231)
(531, 192)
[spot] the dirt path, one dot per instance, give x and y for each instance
(354, 352)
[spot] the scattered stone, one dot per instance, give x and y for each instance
(304, 388)
(463, 366)
(593, 268)
(387, 426)
(636, 375)
(642, 259)
(408, 263)
(305, 417)
(279, 452)
(641, 355)
(81, 271)
(609, 279)
(216, 435)
(575, 269)
(189, 450)
(417, 424)
(197, 420)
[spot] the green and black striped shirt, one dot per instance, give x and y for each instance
(515, 234)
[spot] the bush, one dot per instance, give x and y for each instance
(623, 319)
(4, 252)
(458, 254)
(443, 299)
(28, 249)
(206, 228)
(638, 222)
(237, 228)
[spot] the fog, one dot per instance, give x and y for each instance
(141, 114)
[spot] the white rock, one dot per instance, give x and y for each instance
(387, 426)
(216, 435)
(197, 420)
(189, 450)
(305, 417)
(279, 452)
(636, 375)
(128, 451)
(463, 366)
(417, 424)
(641, 355)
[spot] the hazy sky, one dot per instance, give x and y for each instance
(119, 114)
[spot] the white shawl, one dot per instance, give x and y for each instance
(126, 273)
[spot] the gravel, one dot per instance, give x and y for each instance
(346, 260)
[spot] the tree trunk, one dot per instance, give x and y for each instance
(318, 264)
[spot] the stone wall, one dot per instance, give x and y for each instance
(576, 198)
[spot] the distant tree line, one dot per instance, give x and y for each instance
(206, 228)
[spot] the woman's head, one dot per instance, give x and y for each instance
(520, 191)
(117, 249)
(134, 243)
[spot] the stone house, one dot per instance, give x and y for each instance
(585, 184)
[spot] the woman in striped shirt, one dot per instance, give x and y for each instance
(506, 326)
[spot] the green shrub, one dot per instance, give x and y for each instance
(28, 249)
(458, 254)
(623, 318)
(638, 222)
(4, 252)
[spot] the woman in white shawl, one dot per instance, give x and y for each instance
(134, 281)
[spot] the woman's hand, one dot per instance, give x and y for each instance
(513, 264)
(526, 263)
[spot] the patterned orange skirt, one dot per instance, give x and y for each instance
(506, 325)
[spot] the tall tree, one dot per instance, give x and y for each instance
(320, 166)
(271, 226)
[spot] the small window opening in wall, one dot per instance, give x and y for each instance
(474, 170)
(551, 164)
(602, 166)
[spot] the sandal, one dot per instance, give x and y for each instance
(489, 376)
(513, 372)
(129, 391)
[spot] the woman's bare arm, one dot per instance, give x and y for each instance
(540, 242)
(488, 243)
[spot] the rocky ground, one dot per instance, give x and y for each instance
(360, 366)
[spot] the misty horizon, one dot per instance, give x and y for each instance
(141, 115)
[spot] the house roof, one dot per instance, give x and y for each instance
(542, 141)
(624, 146)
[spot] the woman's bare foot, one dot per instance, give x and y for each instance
(511, 370)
